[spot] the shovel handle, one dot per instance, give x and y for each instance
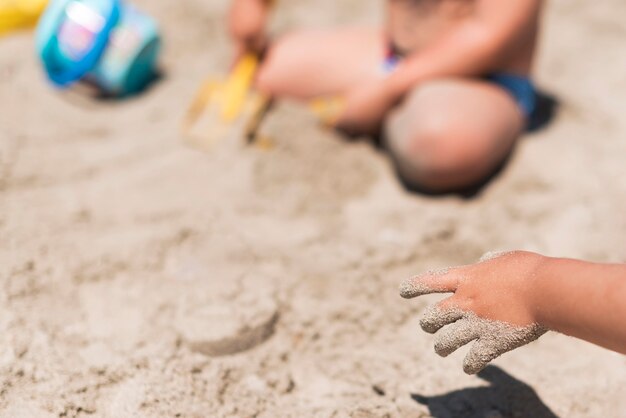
(262, 106)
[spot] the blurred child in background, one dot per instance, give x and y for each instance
(445, 82)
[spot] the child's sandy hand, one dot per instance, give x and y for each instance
(492, 304)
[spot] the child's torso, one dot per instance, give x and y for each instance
(415, 24)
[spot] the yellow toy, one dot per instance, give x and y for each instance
(20, 14)
(232, 105)
(227, 103)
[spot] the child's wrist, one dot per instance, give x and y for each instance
(404, 79)
(396, 86)
(538, 292)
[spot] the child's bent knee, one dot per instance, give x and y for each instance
(428, 148)
(431, 160)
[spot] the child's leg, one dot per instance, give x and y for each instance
(306, 64)
(451, 134)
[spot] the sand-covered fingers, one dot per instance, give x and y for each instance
(480, 355)
(434, 281)
(455, 336)
(438, 316)
(495, 339)
(492, 303)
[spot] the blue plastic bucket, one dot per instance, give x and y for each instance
(107, 42)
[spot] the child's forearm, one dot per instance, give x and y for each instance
(465, 51)
(584, 300)
(472, 48)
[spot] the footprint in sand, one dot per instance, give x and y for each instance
(224, 323)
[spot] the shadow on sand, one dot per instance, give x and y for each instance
(87, 95)
(504, 397)
(156, 78)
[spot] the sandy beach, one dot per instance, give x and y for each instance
(140, 277)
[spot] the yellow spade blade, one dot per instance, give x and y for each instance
(220, 105)
(199, 103)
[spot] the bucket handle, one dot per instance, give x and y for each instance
(47, 42)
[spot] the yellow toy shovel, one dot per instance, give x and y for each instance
(232, 107)
(229, 106)
(19, 14)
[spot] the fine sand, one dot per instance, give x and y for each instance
(139, 277)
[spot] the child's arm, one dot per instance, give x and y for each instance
(246, 22)
(475, 47)
(497, 28)
(584, 300)
(525, 293)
